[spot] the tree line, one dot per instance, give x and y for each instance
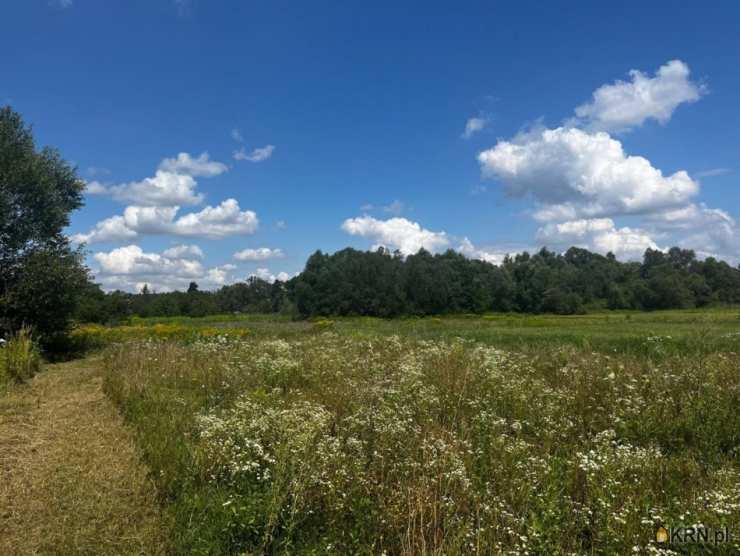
(386, 284)
(44, 283)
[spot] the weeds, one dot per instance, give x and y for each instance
(335, 444)
(19, 357)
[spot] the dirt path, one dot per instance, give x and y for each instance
(71, 481)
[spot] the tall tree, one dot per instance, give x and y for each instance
(41, 276)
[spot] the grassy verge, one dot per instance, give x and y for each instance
(359, 441)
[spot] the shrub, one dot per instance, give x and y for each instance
(21, 359)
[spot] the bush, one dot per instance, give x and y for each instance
(21, 359)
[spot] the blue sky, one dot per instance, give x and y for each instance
(335, 124)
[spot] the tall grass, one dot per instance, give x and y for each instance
(19, 357)
(337, 444)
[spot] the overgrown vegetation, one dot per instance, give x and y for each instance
(19, 357)
(401, 437)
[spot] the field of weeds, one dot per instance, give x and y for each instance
(440, 436)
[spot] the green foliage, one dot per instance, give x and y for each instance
(385, 284)
(47, 287)
(19, 357)
(253, 296)
(41, 277)
(352, 282)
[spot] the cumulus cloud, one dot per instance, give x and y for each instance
(580, 174)
(259, 254)
(472, 126)
(164, 189)
(173, 184)
(184, 251)
(709, 231)
(599, 235)
(217, 222)
(110, 229)
(493, 256)
(129, 268)
(257, 155)
(627, 104)
(396, 233)
(267, 276)
(132, 260)
(201, 166)
(581, 178)
(690, 217)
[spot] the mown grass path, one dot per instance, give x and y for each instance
(71, 481)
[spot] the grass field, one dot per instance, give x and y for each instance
(454, 435)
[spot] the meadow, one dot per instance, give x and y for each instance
(499, 434)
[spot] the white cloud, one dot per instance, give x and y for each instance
(259, 254)
(236, 135)
(493, 256)
(599, 235)
(267, 276)
(710, 232)
(217, 222)
(95, 188)
(224, 220)
(187, 251)
(472, 126)
(172, 185)
(201, 166)
(691, 217)
(164, 189)
(257, 155)
(129, 268)
(396, 233)
(132, 260)
(626, 104)
(579, 174)
(110, 229)
(580, 177)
